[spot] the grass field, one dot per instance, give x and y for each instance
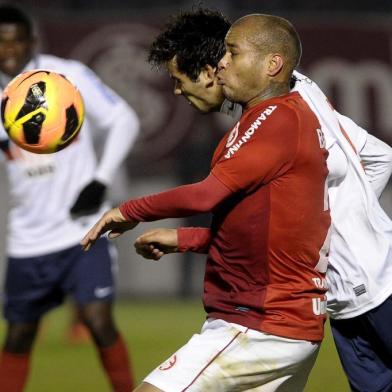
(153, 330)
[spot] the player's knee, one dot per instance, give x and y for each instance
(101, 328)
(20, 337)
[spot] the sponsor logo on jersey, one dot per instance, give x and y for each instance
(320, 283)
(169, 363)
(101, 292)
(40, 171)
(233, 135)
(319, 306)
(248, 133)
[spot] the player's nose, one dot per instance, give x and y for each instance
(223, 62)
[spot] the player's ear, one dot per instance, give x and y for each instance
(210, 75)
(275, 64)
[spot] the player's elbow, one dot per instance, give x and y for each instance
(206, 204)
(133, 121)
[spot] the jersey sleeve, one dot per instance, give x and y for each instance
(356, 134)
(99, 99)
(185, 200)
(107, 112)
(375, 155)
(264, 149)
(376, 158)
(194, 239)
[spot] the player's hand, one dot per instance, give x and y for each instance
(155, 243)
(90, 199)
(113, 222)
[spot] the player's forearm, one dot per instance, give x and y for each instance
(178, 202)
(119, 141)
(193, 239)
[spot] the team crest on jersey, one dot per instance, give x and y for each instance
(233, 135)
(169, 363)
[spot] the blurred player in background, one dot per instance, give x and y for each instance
(262, 332)
(54, 198)
(359, 276)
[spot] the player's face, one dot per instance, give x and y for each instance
(242, 70)
(16, 48)
(205, 94)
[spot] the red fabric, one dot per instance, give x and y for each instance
(116, 363)
(182, 201)
(14, 369)
(268, 196)
(266, 238)
(193, 239)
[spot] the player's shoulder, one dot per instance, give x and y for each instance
(58, 63)
(275, 110)
(293, 105)
(273, 117)
(298, 79)
(306, 86)
(70, 67)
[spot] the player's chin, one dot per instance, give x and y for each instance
(228, 93)
(197, 105)
(202, 106)
(205, 110)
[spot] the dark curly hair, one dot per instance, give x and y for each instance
(196, 39)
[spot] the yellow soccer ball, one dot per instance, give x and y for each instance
(42, 111)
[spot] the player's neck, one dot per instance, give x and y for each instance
(275, 89)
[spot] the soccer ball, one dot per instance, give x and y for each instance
(42, 111)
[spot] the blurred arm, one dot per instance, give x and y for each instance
(121, 137)
(110, 115)
(375, 155)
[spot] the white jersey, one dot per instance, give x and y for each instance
(359, 275)
(44, 187)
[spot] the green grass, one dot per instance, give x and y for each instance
(153, 330)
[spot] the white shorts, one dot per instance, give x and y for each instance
(230, 357)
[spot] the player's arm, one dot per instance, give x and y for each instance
(267, 154)
(186, 200)
(110, 114)
(375, 155)
(155, 243)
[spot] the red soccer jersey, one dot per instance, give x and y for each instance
(267, 238)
